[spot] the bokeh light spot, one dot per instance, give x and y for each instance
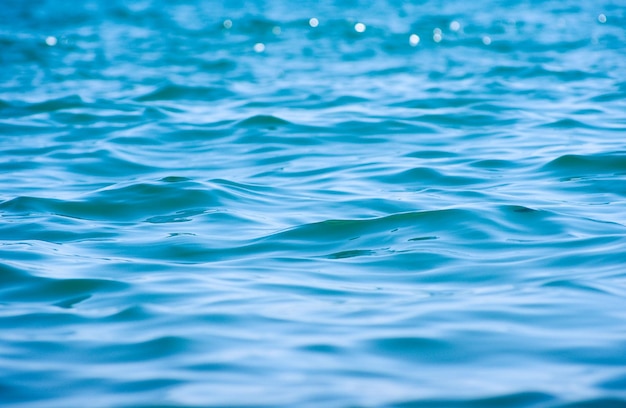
(51, 41)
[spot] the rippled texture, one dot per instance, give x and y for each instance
(236, 205)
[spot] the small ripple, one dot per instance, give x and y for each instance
(585, 165)
(351, 254)
(267, 121)
(173, 92)
(11, 275)
(47, 106)
(577, 285)
(568, 124)
(538, 71)
(418, 348)
(432, 154)
(124, 202)
(69, 291)
(149, 350)
(440, 102)
(465, 119)
(513, 400)
(496, 164)
(100, 163)
(427, 176)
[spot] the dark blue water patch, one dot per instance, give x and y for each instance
(351, 254)
(22, 109)
(182, 93)
(441, 102)
(428, 176)
(63, 293)
(264, 121)
(609, 97)
(432, 154)
(605, 402)
(496, 164)
(524, 399)
(613, 163)
(568, 124)
(12, 275)
(52, 228)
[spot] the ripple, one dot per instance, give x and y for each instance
(71, 291)
(522, 399)
(428, 176)
(585, 165)
(267, 121)
(51, 105)
(173, 92)
(132, 201)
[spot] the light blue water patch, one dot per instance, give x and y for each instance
(338, 204)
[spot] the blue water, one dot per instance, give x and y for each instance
(290, 204)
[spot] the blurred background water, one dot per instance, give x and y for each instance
(272, 203)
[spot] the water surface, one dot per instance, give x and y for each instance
(315, 204)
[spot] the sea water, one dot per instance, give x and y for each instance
(334, 203)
